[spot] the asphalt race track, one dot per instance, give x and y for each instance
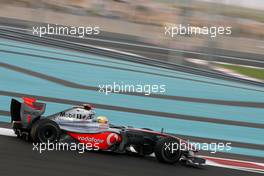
(18, 158)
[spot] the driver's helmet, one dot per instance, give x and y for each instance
(102, 119)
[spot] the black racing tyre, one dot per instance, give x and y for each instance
(45, 130)
(164, 153)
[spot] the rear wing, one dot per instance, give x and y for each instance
(23, 114)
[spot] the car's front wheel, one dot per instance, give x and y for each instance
(167, 150)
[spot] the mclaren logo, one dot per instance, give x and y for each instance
(73, 115)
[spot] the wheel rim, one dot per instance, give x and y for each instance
(47, 133)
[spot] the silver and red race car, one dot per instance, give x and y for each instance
(79, 124)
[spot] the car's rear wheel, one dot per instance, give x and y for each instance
(45, 130)
(167, 150)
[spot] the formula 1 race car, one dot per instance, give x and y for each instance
(79, 124)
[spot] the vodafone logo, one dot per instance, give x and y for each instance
(112, 138)
(90, 139)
